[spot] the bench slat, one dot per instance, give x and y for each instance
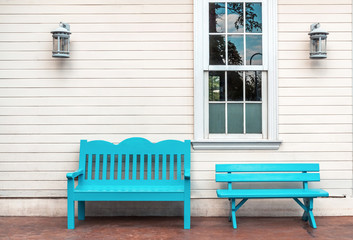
(271, 193)
(142, 167)
(156, 167)
(268, 177)
(112, 164)
(171, 167)
(178, 166)
(120, 165)
(268, 167)
(149, 166)
(89, 171)
(164, 167)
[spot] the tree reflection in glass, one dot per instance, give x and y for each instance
(216, 86)
(216, 17)
(235, 86)
(253, 17)
(217, 50)
(235, 17)
(235, 49)
(253, 85)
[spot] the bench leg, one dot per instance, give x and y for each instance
(187, 213)
(309, 203)
(230, 210)
(70, 214)
(81, 210)
(234, 220)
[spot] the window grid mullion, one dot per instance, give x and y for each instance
(226, 103)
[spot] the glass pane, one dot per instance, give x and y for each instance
(235, 86)
(216, 86)
(254, 50)
(217, 50)
(235, 17)
(235, 118)
(253, 118)
(253, 17)
(55, 44)
(216, 18)
(253, 85)
(235, 50)
(217, 118)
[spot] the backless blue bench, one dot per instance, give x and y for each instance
(134, 170)
(236, 173)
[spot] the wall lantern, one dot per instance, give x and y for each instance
(318, 39)
(61, 41)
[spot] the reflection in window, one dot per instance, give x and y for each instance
(235, 86)
(216, 18)
(216, 86)
(217, 50)
(235, 17)
(235, 50)
(253, 17)
(253, 85)
(254, 50)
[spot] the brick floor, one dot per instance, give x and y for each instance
(337, 228)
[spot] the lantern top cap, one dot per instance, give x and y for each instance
(316, 29)
(64, 28)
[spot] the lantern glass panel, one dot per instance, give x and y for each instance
(55, 44)
(64, 45)
(315, 45)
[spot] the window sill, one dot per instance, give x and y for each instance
(217, 144)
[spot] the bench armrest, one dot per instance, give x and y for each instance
(187, 174)
(73, 175)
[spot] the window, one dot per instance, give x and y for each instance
(235, 75)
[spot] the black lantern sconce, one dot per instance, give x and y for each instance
(318, 41)
(61, 41)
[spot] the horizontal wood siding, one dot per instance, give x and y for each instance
(131, 74)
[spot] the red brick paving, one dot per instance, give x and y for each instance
(338, 228)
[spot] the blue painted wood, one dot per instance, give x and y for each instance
(268, 177)
(268, 167)
(270, 173)
(116, 172)
(270, 193)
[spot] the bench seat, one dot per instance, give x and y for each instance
(271, 193)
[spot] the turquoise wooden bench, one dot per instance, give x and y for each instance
(237, 173)
(134, 170)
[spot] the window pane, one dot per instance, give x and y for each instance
(254, 50)
(235, 118)
(217, 117)
(235, 18)
(253, 118)
(235, 50)
(216, 86)
(216, 18)
(235, 86)
(217, 50)
(254, 17)
(253, 86)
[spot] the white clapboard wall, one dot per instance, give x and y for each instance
(131, 74)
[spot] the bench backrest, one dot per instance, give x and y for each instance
(269, 172)
(134, 159)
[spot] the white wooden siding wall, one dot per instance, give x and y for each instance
(130, 74)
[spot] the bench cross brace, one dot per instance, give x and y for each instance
(308, 210)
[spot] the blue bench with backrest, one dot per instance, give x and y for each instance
(254, 173)
(134, 170)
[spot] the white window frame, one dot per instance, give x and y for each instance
(269, 138)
